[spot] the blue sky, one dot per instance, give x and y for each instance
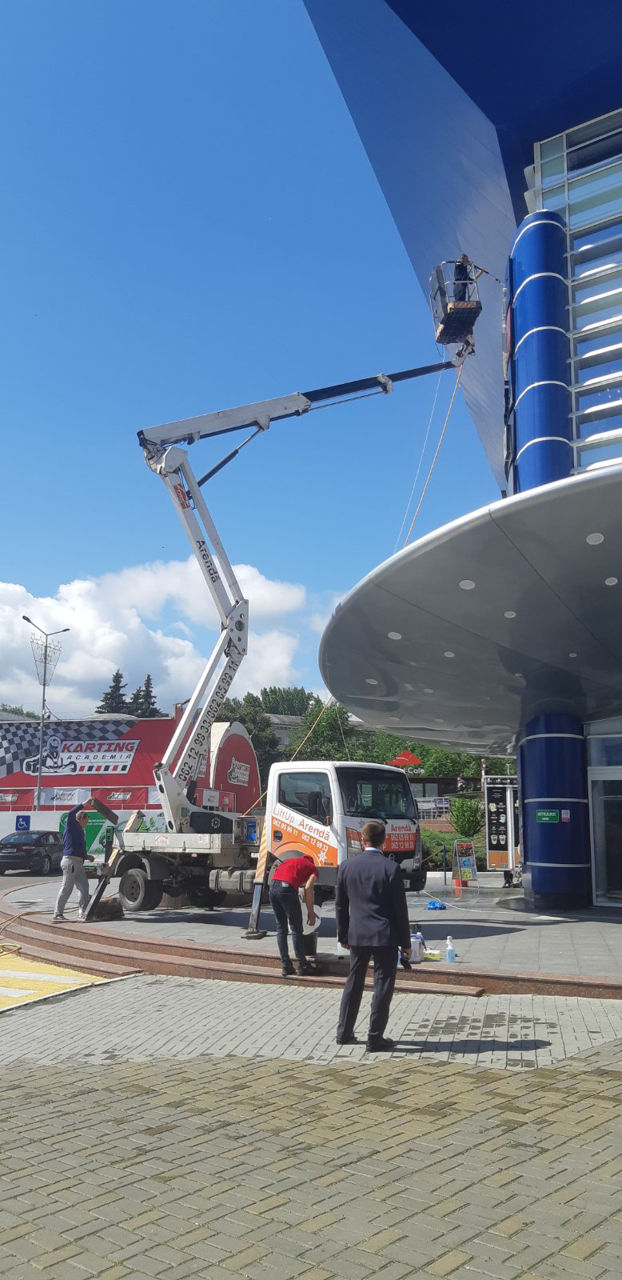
(190, 222)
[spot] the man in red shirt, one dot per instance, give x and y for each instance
(292, 874)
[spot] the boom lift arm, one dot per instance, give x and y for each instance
(161, 447)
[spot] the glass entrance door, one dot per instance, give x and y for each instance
(606, 806)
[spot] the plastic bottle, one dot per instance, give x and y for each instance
(417, 946)
(451, 950)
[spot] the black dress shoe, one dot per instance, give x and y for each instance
(380, 1045)
(287, 970)
(349, 1040)
(305, 970)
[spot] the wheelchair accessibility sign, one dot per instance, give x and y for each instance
(22, 822)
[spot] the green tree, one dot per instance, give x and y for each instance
(114, 701)
(466, 816)
(18, 711)
(381, 746)
(326, 735)
(501, 765)
(249, 711)
(439, 763)
(287, 702)
(143, 703)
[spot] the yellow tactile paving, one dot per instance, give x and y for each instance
(22, 980)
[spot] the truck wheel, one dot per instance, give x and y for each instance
(154, 895)
(133, 890)
(417, 880)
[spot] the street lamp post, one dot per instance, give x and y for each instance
(51, 653)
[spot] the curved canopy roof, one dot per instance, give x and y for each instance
(514, 609)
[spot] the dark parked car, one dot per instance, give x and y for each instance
(36, 851)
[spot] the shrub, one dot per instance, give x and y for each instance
(433, 842)
(466, 816)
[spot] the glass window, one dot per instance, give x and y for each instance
(598, 308)
(593, 205)
(551, 170)
(598, 265)
(602, 396)
(595, 153)
(606, 453)
(586, 243)
(553, 147)
(599, 180)
(604, 751)
(371, 793)
(600, 369)
(598, 128)
(610, 277)
(307, 793)
(607, 815)
(590, 428)
(554, 197)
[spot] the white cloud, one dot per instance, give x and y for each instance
(146, 618)
(151, 587)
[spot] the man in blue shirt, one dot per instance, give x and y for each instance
(72, 863)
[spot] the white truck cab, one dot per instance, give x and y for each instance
(319, 807)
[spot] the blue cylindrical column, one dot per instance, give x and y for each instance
(554, 812)
(540, 353)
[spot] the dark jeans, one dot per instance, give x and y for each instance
(287, 909)
(385, 967)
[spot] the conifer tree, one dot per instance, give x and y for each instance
(114, 701)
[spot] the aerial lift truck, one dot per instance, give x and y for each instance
(316, 807)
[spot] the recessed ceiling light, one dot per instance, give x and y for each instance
(467, 584)
(594, 539)
(509, 613)
(611, 582)
(394, 635)
(428, 691)
(438, 720)
(409, 687)
(448, 654)
(371, 682)
(572, 655)
(518, 675)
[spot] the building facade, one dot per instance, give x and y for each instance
(500, 136)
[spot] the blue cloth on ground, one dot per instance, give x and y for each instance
(435, 904)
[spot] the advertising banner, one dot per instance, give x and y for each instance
(501, 801)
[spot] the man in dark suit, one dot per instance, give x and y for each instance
(372, 920)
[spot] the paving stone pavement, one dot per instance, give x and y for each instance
(174, 1128)
(147, 1017)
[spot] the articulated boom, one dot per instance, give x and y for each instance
(172, 780)
(163, 455)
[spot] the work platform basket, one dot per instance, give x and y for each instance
(455, 301)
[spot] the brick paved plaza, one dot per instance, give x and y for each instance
(171, 1127)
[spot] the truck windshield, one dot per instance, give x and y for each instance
(370, 793)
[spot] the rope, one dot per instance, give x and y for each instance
(298, 748)
(420, 464)
(442, 435)
(343, 739)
